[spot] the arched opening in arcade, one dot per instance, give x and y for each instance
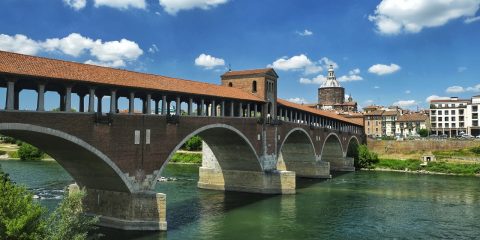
(352, 149)
(297, 154)
(332, 152)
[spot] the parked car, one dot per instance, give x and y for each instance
(468, 136)
(478, 136)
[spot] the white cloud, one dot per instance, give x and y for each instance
(172, 7)
(382, 69)
(396, 16)
(297, 100)
(461, 69)
(369, 101)
(122, 4)
(376, 87)
(354, 71)
(405, 103)
(408, 91)
(112, 53)
(294, 63)
(435, 97)
(305, 33)
(208, 61)
(455, 89)
(327, 62)
(19, 44)
(353, 75)
(475, 88)
(76, 4)
(472, 19)
(302, 62)
(153, 49)
(460, 89)
(316, 80)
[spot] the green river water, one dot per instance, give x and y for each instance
(360, 205)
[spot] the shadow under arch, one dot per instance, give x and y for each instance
(297, 147)
(88, 166)
(352, 147)
(229, 146)
(332, 151)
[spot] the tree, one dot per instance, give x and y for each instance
(24, 219)
(365, 158)
(68, 221)
(193, 144)
(20, 216)
(28, 152)
(423, 132)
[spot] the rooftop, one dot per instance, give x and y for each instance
(328, 114)
(262, 71)
(39, 67)
(413, 117)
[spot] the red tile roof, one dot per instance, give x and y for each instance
(39, 67)
(413, 117)
(249, 72)
(318, 112)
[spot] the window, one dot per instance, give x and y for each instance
(434, 112)
(460, 111)
(230, 84)
(254, 86)
(475, 123)
(440, 118)
(447, 125)
(453, 125)
(474, 115)
(434, 119)
(453, 119)
(474, 108)
(446, 112)
(452, 112)
(439, 112)
(440, 125)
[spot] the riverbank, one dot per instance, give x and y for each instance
(416, 166)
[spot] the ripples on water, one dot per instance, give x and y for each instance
(361, 205)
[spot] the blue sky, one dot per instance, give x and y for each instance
(386, 52)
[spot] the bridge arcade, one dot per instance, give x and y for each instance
(253, 141)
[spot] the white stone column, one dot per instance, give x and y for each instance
(214, 109)
(164, 105)
(91, 100)
(190, 104)
(131, 103)
(113, 101)
(223, 108)
(68, 98)
(148, 109)
(178, 106)
(41, 97)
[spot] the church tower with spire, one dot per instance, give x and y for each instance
(330, 92)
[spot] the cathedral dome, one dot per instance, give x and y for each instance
(331, 79)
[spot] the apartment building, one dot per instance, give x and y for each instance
(451, 116)
(473, 109)
(409, 124)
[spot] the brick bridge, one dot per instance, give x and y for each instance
(253, 141)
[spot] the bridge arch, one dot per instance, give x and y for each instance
(352, 147)
(88, 166)
(296, 148)
(230, 147)
(332, 151)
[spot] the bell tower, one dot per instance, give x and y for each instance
(259, 82)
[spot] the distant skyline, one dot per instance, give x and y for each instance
(385, 52)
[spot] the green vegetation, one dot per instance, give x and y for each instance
(467, 152)
(192, 158)
(394, 164)
(365, 158)
(438, 167)
(423, 132)
(13, 155)
(28, 152)
(2, 152)
(23, 218)
(193, 144)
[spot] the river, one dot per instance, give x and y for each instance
(360, 205)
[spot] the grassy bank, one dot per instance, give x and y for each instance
(433, 167)
(187, 158)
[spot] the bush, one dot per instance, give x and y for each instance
(23, 218)
(423, 132)
(395, 164)
(365, 158)
(193, 144)
(2, 152)
(193, 158)
(13, 155)
(475, 150)
(28, 152)
(9, 140)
